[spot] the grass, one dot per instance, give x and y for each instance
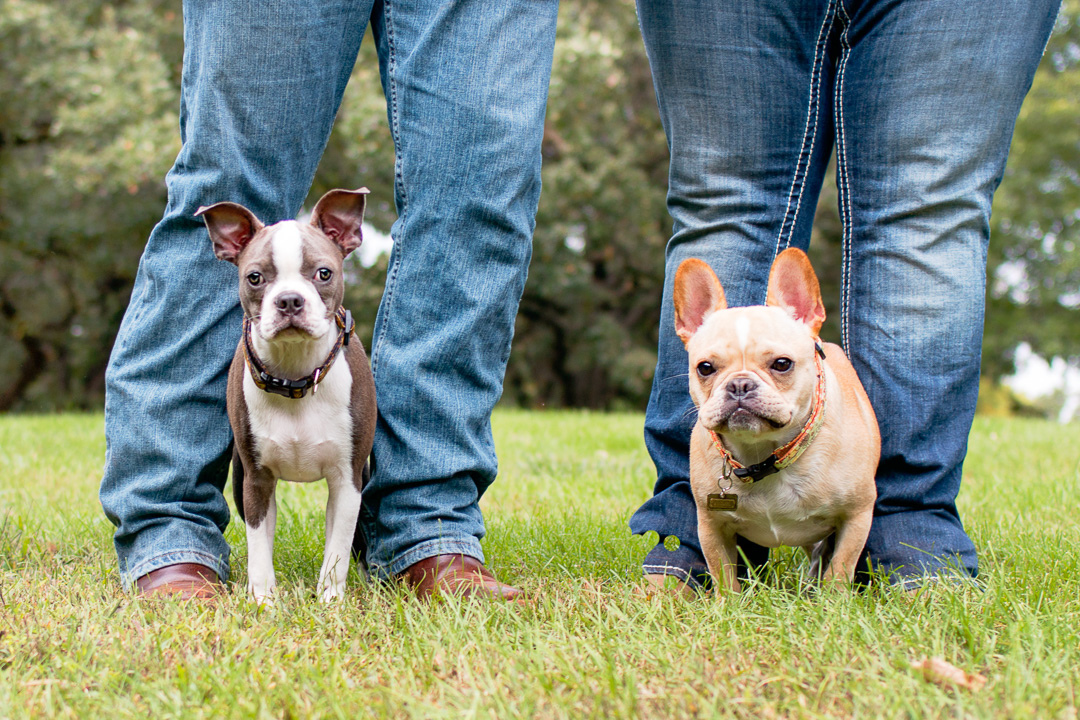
(72, 644)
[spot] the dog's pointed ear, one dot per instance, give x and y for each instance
(698, 294)
(339, 214)
(231, 228)
(793, 287)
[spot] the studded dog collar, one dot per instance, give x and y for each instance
(295, 389)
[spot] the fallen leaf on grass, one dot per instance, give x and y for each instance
(938, 670)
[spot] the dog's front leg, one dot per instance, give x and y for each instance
(342, 509)
(721, 554)
(260, 521)
(850, 541)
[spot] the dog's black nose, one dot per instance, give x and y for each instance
(290, 303)
(741, 387)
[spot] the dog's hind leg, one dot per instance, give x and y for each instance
(238, 482)
(820, 554)
(359, 543)
(850, 541)
(342, 510)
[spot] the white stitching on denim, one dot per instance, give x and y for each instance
(845, 188)
(669, 570)
(813, 108)
(391, 74)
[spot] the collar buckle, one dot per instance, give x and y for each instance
(763, 469)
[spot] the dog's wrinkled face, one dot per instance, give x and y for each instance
(291, 280)
(752, 370)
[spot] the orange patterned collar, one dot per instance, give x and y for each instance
(784, 456)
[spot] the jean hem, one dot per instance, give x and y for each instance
(675, 570)
(910, 583)
(174, 557)
(910, 575)
(439, 546)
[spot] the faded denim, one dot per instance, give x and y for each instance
(466, 84)
(919, 100)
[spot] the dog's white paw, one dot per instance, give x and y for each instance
(332, 593)
(263, 597)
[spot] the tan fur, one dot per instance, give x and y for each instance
(830, 488)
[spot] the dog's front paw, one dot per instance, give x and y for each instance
(330, 595)
(263, 597)
(331, 592)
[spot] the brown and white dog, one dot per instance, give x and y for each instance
(786, 444)
(301, 399)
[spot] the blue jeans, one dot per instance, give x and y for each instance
(466, 87)
(919, 100)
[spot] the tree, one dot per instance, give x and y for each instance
(1033, 291)
(89, 94)
(87, 131)
(587, 328)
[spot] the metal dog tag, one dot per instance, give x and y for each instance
(722, 501)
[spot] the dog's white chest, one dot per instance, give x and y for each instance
(772, 513)
(302, 440)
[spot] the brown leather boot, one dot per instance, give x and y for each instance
(182, 581)
(457, 575)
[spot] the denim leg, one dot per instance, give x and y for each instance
(466, 84)
(261, 85)
(744, 96)
(926, 98)
(919, 156)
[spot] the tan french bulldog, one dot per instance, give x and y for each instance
(786, 444)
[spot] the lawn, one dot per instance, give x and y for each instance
(73, 644)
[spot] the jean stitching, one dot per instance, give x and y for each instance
(802, 166)
(845, 188)
(669, 570)
(399, 185)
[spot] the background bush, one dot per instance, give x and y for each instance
(88, 128)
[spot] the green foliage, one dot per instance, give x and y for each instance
(1036, 219)
(87, 131)
(88, 128)
(587, 329)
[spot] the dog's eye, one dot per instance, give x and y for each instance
(705, 369)
(782, 364)
(324, 274)
(254, 279)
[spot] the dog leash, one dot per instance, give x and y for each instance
(296, 389)
(781, 457)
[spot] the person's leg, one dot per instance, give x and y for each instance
(466, 87)
(926, 97)
(744, 95)
(261, 85)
